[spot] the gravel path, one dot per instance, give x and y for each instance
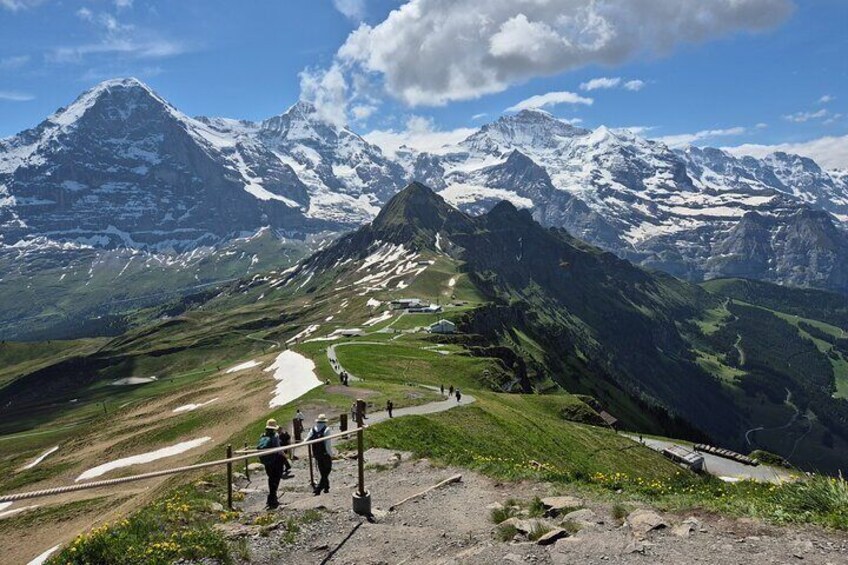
(451, 525)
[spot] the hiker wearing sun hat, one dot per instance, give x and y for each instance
(274, 462)
(322, 451)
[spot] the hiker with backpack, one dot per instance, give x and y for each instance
(322, 452)
(285, 439)
(458, 395)
(274, 463)
(389, 407)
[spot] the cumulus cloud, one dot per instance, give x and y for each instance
(328, 91)
(684, 139)
(830, 152)
(431, 52)
(353, 9)
(420, 134)
(600, 83)
(550, 99)
(827, 99)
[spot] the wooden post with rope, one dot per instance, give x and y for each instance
(361, 498)
(230, 477)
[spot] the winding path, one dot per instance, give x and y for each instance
(380, 416)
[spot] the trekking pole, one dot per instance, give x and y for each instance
(229, 477)
(246, 465)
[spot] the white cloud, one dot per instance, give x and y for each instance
(826, 99)
(117, 39)
(634, 85)
(801, 117)
(761, 125)
(15, 5)
(684, 139)
(363, 111)
(420, 134)
(431, 52)
(479, 116)
(327, 90)
(352, 9)
(550, 99)
(12, 96)
(119, 4)
(601, 83)
(14, 62)
(829, 152)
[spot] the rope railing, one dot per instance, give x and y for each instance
(165, 472)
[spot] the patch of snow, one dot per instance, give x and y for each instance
(381, 318)
(373, 303)
(452, 281)
(193, 407)
(41, 457)
(730, 479)
(41, 559)
(305, 333)
(295, 376)
(242, 366)
(328, 319)
(130, 381)
(438, 241)
(5, 505)
(8, 513)
(148, 457)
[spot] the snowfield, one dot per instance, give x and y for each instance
(142, 458)
(243, 366)
(295, 376)
(41, 559)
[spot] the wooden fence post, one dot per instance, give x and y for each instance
(343, 422)
(311, 475)
(246, 465)
(229, 477)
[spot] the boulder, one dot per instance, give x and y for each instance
(583, 518)
(552, 537)
(556, 505)
(687, 528)
(234, 530)
(643, 521)
(256, 467)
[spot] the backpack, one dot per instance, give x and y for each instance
(285, 438)
(266, 442)
(319, 449)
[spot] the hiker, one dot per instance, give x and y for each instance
(360, 409)
(442, 389)
(347, 378)
(458, 395)
(285, 439)
(450, 391)
(298, 424)
(353, 411)
(322, 452)
(273, 462)
(389, 407)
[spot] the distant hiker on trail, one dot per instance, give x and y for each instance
(298, 425)
(389, 407)
(442, 389)
(458, 395)
(360, 409)
(322, 452)
(274, 462)
(450, 391)
(347, 379)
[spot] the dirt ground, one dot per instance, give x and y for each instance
(452, 525)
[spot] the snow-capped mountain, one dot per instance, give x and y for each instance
(122, 167)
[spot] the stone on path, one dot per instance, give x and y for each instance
(552, 537)
(555, 505)
(584, 518)
(643, 521)
(687, 528)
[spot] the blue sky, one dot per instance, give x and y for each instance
(773, 72)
